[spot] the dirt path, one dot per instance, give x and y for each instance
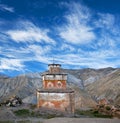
(81, 120)
(61, 120)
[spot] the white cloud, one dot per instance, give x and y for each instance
(3, 38)
(105, 21)
(67, 48)
(37, 49)
(4, 7)
(80, 10)
(86, 60)
(11, 64)
(36, 53)
(76, 30)
(27, 53)
(107, 30)
(16, 57)
(27, 32)
(40, 53)
(77, 35)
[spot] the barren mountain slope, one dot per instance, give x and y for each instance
(108, 87)
(22, 86)
(88, 75)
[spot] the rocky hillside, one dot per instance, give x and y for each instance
(89, 85)
(108, 86)
(22, 86)
(99, 83)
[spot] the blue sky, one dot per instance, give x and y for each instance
(75, 33)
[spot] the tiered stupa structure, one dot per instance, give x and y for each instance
(54, 93)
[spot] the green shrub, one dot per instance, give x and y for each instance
(92, 113)
(22, 112)
(102, 116)
(95, 112)
(49, 116)
(101, 106)
(33, 114)
(88, 113)
(108, 108)
(6, 121)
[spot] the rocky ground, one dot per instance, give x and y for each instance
(7, 115)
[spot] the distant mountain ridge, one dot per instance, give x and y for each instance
(88, 84)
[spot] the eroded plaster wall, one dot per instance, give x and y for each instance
(54, 84)
(60, 101)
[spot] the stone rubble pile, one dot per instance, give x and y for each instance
(13, 102)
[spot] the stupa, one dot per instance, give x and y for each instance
(54, 93)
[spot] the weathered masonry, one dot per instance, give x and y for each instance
(55, 94)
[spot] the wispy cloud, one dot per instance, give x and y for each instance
(11, 64)
(4, 7)
(105, 21)
(40, 55)
(26, 31)
(3, 37)
(15, 58)
(97, 51)
(67, 48)
(87, 60)
(77, 30)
